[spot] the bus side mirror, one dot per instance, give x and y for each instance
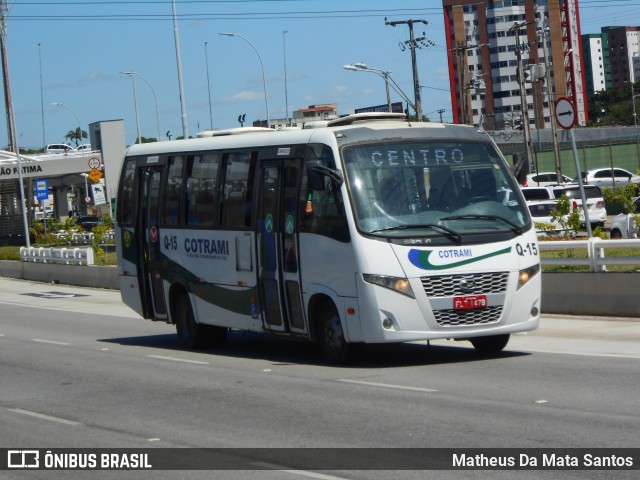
(316, 174)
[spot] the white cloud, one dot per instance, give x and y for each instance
(244, 96)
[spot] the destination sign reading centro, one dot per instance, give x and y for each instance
(419, 155)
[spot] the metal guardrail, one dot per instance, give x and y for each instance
(596, 259)
(61, 256)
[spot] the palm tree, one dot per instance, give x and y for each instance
(76, 135)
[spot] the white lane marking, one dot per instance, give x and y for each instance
(45, 417)
(303, 473)
(175, 359)
(579, 354)
(52, 342)
(387, 385)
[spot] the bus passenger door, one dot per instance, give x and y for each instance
(149, 241)
(277, 237)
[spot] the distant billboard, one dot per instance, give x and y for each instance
(396, 107)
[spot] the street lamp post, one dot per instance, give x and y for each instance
(135, 104)
(206, 61)
(361, 67)
(155, 99)
(383, 73)
(264, 81)
(59, 104)
(286, 94)
(633, 102)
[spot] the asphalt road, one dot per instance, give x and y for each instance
(80, 370)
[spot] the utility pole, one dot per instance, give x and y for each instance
(5, 76)
(526, 130)
(11, 126)
(413, 44)
(461, 52)
(544, 33)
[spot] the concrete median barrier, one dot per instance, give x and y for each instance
(607, 294)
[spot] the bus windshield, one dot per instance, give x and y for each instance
(427, 188)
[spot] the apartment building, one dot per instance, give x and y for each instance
(499, 53)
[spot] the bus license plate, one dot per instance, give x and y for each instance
(469, 302)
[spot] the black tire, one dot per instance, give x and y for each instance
(333, 345)
(215, 336)
(491, 344)
(615, 234)
(191, 334)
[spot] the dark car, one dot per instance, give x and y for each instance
(87, 222)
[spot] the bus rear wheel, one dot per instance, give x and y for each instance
(490, 344)
(190, 333)
(333, 345)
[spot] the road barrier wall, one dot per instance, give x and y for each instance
(610, 294)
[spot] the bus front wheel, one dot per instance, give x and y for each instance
(333, 345)
(191, 334)
(490, 344)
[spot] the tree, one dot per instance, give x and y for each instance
(76, 135)
(613, 107)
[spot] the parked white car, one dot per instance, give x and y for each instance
(543, 179)
(595, 202)
(538, 194)
(541, 215)
(624, 225)
(85, 147)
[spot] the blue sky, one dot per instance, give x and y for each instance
(79, 47)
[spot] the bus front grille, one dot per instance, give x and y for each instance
(465, 284)
(458, 318)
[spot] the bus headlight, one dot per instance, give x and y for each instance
(400, 285)
(525, 275)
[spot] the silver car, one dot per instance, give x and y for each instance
(608, 177)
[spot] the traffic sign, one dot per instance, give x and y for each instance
(94, 162)
(95, 175)
(42, 189)
(565, 113)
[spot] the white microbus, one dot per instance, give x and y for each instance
(367, 229)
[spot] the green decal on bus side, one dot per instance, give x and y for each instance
(420, 258)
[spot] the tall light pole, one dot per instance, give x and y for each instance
(633, 102)
(155, 99)
(183, 102)
(59, 104)
(264, 81)
(44, 141)
(206, 62)
(286, 96)
(135, 103)
(11, 126)
(361, 67)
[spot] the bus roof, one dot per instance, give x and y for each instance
(360, 127)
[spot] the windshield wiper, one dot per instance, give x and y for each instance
(448, 232)
(513, 226)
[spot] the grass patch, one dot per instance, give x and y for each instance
(582, 253)
(9, 253)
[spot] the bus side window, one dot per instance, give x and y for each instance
(127, 199)
(172, 191)
(237, 193)
(201, 190)
(322, 208)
